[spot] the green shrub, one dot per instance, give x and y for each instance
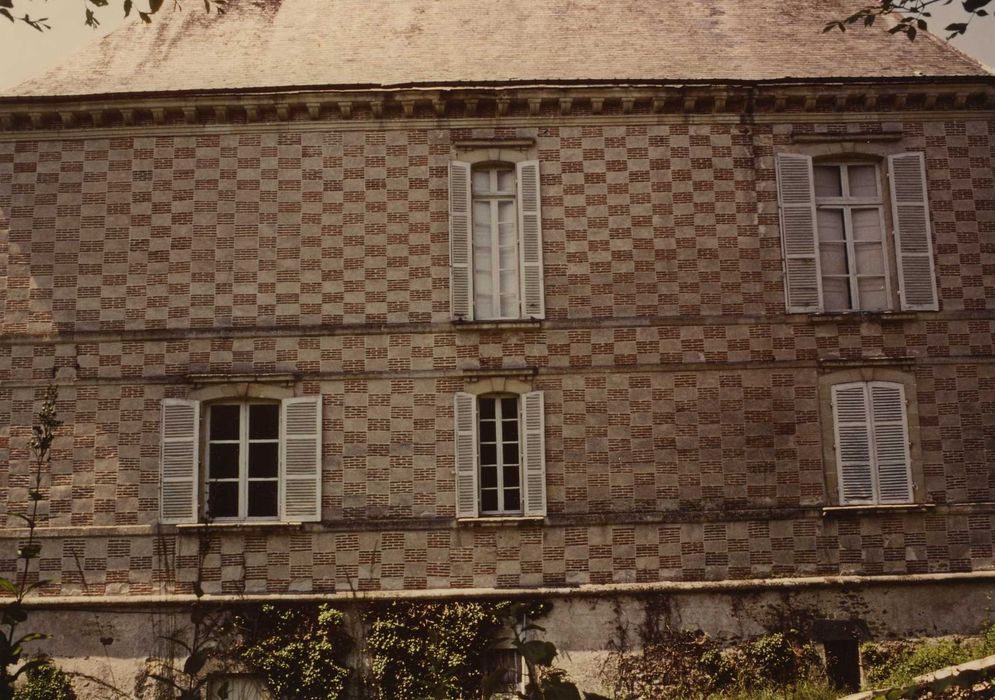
(889, 664)
(300, 650)
(45, 682)
(432, 650)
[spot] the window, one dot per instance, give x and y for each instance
(837, 254)
(242, 461)
(237, 687)
(503, 673)
(495, 241)
(500, 455)
(871, 429)
(247, 460)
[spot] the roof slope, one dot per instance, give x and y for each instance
(287, 43)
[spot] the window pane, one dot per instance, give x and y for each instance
(511, 476)
(509, 453)
(832, 257)
(863, 180)
(487, 431)
(866, 224)
(870, 259)
(263, 460)
(488, 453)
(506, 181)
(222, 499)
(488, 500)
(223, 461)
(830, 224)
(509, 408)
(837, 293)
(872, 293)
(481, 181)
(264, 421)
(509, 431)
(512, 500)
(262, 499)
(224, 422)
(486, 408)
(827, 181)
(488, 477)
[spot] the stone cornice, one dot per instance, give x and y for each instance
(472, 103)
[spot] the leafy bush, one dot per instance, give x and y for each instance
(432, 650)
(45, 682)
(300, 650)
(888, 664)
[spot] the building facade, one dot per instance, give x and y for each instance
(728, 343)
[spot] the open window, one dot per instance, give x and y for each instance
(838, 253)
(241, 460)
(500, 455)
(495, 229)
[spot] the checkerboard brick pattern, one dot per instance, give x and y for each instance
(676, 389)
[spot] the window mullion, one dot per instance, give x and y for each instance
(851, 258)
(243, 462)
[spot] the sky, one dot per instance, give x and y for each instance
(25, 52)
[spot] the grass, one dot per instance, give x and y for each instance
(890, 664)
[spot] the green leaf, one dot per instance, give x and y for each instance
(31, 637)
(957, 27)
(98, 3)
(154, 6)
(127, 7)
(13, 614)
(145, 17)
(7, 585)
(974, 5)
(6, 13)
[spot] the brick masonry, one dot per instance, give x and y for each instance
(683, 420)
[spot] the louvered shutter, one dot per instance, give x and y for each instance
(796, 195)
(300, 459)
(853, 443)
(460, 241)
(913, 242)
(891, 442)
(534, 454)
(465, 421)
(530, 244)
(180, 425)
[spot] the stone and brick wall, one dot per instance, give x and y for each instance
(683, 417)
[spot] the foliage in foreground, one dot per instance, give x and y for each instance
(45, 682)
(895, 664)
(689, 664)
(300, 650)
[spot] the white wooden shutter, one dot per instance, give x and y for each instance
(913, 242)
(300, 459)
(891, 442)
(853, 443)
(460, 241)
(465, 421)
(180, 425)
(530, 244)
(534, 454)
(796, 195)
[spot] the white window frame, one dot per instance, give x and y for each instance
(501, 488)
(846, 203)
(244, 442)
(909, 256)
(878, 431)
(183, 457)
(528, 237)
(493, 198)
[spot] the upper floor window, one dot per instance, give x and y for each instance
(247, 460)
(500, 455)
(495, 241)
(838, 256)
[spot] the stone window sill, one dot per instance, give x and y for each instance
(499, 324)
(871, 316)
(240, 526)
(500, 521)
(871, 509)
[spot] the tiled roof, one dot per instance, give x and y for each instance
(280, 44)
